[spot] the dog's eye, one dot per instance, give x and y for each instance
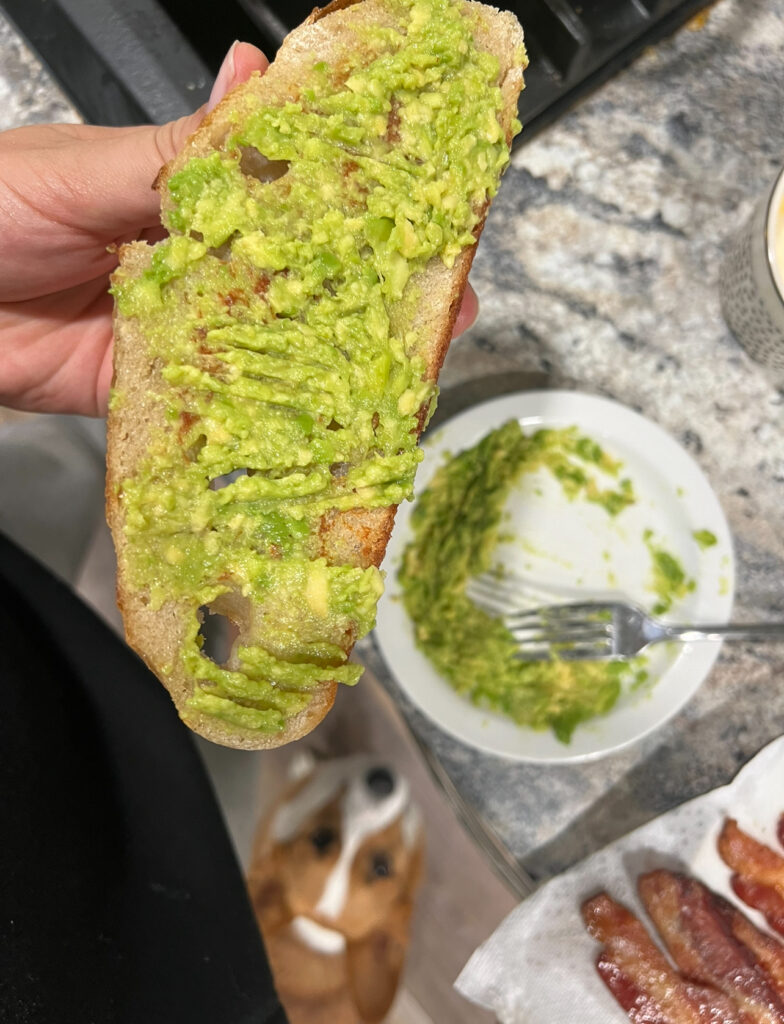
(323, 838)
(380, 866)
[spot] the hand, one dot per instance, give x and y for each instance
(67, 193)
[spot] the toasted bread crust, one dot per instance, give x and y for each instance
(358, 537)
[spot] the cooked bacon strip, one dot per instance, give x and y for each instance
(769, 952)
(752, 859)
(641, 978)
(640, 1007)
(759, 871)
(762, 898)
(703, 947)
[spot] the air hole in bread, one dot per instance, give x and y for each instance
(339, 469)
(256, 165)
(192, 452)
(218, 633)
(220, 252)
(219, 482)
(223, 252)
(334, 425)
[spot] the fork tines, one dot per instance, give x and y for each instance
(572, 632)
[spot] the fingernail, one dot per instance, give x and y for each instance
(225, 78)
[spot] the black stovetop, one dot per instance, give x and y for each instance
(124, 61)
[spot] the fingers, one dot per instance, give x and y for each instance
(69, 191)
(468, 312)
(120, 166)
(238, 65)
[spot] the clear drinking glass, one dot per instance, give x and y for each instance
(751, 280)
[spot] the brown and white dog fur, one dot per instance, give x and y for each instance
(332, 880)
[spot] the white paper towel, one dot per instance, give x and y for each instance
(539, 966)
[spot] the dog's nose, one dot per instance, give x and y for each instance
(380, 781)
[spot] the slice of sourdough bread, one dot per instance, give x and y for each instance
(182, 412)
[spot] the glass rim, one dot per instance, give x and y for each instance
(775, 203)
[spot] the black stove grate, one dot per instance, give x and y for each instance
(122, 61)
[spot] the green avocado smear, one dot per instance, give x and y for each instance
(279, 315)
(705, 539)
(456, 526)
(669, 581)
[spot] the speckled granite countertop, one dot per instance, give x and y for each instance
(598, 271)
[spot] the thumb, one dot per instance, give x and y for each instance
(238, 65)
(66, 187)
(114, 168)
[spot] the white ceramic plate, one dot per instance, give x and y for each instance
(572, 550)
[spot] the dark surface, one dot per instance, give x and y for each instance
(118, 61)
(157, 56)
(121, 901)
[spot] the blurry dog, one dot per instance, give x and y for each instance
(332, 880)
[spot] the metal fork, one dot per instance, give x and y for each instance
(592, 631)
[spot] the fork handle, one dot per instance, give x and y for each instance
(733, 631)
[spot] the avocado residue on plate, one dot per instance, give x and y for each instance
(705, 539)
(456, 528)
(669, 580)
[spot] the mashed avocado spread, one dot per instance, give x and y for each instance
(456, 526)
(279, 314)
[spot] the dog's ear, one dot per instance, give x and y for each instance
(376, 961)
